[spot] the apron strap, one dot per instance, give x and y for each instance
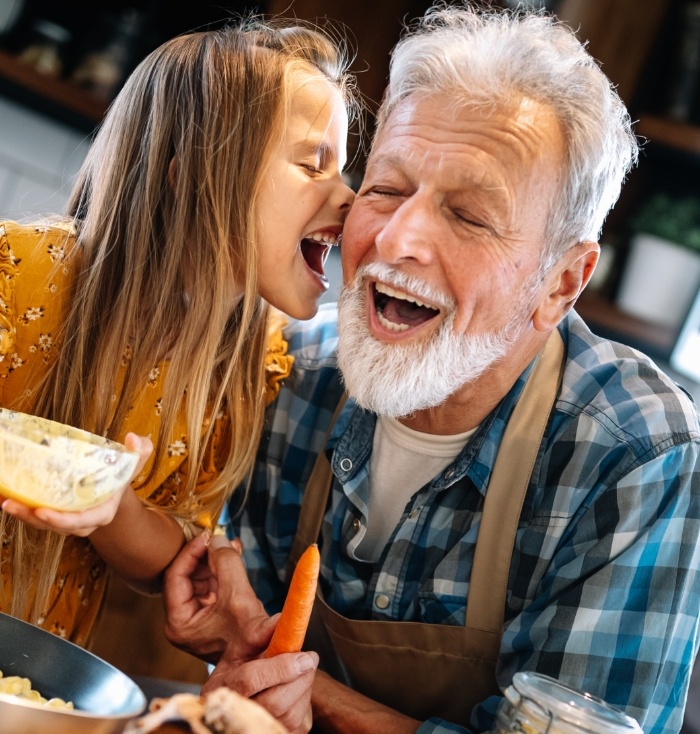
(313, 506)
(507, 487)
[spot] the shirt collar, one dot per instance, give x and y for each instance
(350, 442)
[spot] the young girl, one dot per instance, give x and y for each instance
(212, 189)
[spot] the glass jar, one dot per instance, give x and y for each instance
(538, 704)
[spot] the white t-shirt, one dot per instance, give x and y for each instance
(403, 461)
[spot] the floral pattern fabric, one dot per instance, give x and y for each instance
(34, 282)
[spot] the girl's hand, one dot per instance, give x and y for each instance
(82, 523)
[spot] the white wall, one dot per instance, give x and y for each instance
(38, 161)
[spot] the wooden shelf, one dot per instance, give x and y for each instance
(611, 322)
(663, 131)
(63, 95)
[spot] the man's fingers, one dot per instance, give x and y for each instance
(190, 557)
(284, 684)
(252, 678)
(221, 541)
(227, 561)
(290, 703)
(178, 583)
(234, 588)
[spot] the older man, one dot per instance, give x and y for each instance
(502, 490)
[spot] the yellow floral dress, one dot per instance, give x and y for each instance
(33, 284)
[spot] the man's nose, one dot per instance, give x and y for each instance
(408, 234)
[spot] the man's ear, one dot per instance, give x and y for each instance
(564, 284)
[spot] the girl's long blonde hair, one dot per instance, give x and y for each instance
(166, 229)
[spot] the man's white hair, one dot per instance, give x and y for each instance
(490, 56)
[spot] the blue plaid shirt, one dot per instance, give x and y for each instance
(603, 588)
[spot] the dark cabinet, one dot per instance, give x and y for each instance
(93, 47)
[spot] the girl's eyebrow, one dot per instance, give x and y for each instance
(316, 148)
(308, 145)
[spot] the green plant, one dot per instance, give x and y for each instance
(674, 219)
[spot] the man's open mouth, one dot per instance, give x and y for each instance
(315, 249)
(398, 311)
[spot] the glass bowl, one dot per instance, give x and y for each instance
(48, 464)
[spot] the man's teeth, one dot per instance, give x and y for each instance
(327, 238)
(390, 325)
(388, 291)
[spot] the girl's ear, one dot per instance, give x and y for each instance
(172, 174)
(565, 282)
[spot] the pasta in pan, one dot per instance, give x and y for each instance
(14, 685)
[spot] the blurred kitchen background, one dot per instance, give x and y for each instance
(62, 62)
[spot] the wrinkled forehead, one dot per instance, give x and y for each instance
(442, 110)
(519, 132)
(508, 157)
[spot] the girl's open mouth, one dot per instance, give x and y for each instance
(315, 249)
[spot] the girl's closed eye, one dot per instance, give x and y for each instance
(311, 168)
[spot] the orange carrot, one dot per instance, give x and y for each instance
(296, 612)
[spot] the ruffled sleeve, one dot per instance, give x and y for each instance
(278, 364)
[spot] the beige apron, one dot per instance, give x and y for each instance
(422, 669)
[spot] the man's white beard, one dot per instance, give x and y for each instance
(396, 380)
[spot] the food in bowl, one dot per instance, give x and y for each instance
(48, 464)
(15, 685)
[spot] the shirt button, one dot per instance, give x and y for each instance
(450, 473)
(345, 464)
(414, 514)
(356, 524)
(382, 601)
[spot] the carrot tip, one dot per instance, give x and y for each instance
(296, 612)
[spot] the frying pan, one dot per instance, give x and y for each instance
(104, 698)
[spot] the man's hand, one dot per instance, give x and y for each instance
(210, 605)
(212, 612)
(86, 522)
(281, 684)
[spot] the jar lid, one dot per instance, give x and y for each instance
(559, 702)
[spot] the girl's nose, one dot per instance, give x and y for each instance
(343, 196)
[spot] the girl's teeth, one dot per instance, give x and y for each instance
(326, 238)
(390, 324)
